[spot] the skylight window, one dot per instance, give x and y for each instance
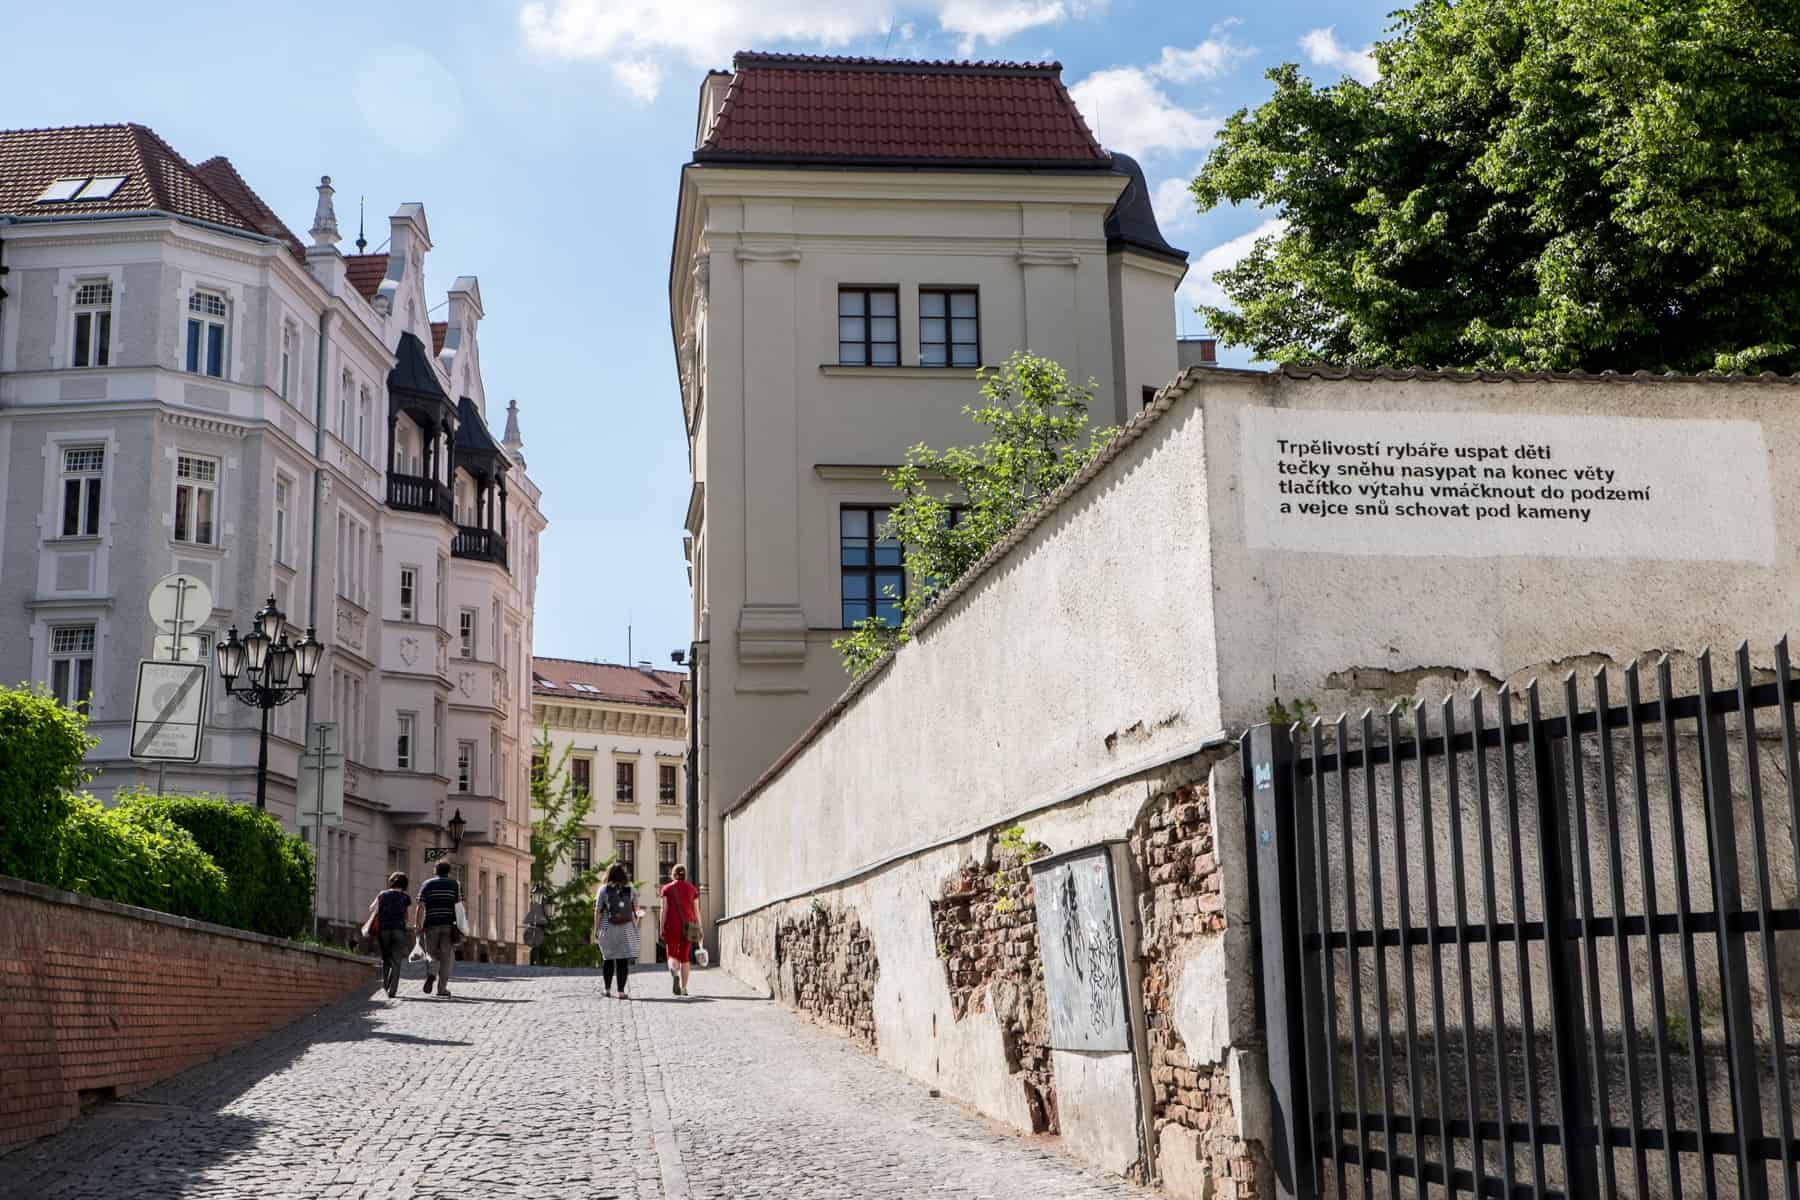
(542, 682)
(101, 187)
(62, 189)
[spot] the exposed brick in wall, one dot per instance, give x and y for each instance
(828, 968)
(98, 1000)
(1176, 861)
(986, 928)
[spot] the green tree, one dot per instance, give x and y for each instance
(561, 811)
(1530, 184)
(42, 744)
(1039, 438)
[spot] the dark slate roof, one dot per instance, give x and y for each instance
(155, 176)
(412, 371)
(366, 271)
(1132, 221)
(472, 436)
(802, 108)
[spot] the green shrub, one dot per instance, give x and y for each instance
(138, 857)
(269, 872)
(41, 747)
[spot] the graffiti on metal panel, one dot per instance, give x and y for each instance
(1079, 942)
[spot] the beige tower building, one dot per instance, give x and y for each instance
(854, 238)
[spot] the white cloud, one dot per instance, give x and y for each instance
(1208, 60)
(1198, 288)
(1128, 112)
(1324, 50)
(642, 77)
(638, 37)
(1174, 203)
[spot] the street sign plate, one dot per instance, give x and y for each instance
(180, 603)
(170, 713)
(433, 853)
(167, 649)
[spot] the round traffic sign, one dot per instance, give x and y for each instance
(182, 600)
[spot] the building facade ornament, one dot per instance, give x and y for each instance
(324, 227)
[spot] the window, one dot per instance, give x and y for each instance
(949, 328)
(206, 334)
(626, 848)
(582, 858)
(668, 853)
(283, 503)
(437, 736)
(465, 766)
(409, 591)
(72, 663)
(1149, 396)
(581, 776)
(82, 469)
(874, 578)
(537, 767)
(868, 327)
(80, 187)
(625, 782)
(465, 624)
(287, 362)
(403, 743)
(362, 422)
(93, 323)
(196, 488)
(665, 783)
(396, 859)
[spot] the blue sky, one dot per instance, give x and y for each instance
(544, 139)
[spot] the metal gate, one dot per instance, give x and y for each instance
(1509, 954)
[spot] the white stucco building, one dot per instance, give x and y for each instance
(853, 239)
(185, 386)
(619, 733)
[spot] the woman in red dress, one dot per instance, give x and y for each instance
(680, 925)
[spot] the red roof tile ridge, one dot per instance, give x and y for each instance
(247, 200)
(770, 58)
(151, 143)
(68, 128)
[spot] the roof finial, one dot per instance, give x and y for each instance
(512, 441)
(324, 227)
(361, 241)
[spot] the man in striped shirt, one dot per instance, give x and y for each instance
(436, 915)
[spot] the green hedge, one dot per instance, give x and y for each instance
(271, 872)
(41, 747)
(138, 857)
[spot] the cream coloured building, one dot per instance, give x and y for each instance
(833, 288)
(620, 733)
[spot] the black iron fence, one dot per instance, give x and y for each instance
(1509, 953)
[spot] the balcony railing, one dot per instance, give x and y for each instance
(417, 493)
(484, 545)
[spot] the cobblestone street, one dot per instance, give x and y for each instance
(533, 1084)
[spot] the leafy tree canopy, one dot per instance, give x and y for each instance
(1531, 184)
(1039, 438)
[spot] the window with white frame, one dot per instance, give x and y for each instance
(72, 663)
(625, 781)
(404, 749)
(206, 333)
(466, 630)
(83, 468)
(284, 500)
(409, 593)
(465, 766)
(345, 388)
(665, 783)
(352, 559)
(93, 323)
(437, 736)
(362, 422)
(287, 362)
(196, 496)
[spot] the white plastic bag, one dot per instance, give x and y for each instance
(418, 951)
(701, 957)
(462, 919)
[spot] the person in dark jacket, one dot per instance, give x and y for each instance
(388, 911)
(438, 899)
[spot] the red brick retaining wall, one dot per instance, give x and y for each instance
(100, 999)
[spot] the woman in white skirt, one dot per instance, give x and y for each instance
(616, 915)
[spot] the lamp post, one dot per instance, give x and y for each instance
(268, 662)
(456, 825)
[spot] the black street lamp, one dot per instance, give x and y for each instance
(456, 825)
(268, 661)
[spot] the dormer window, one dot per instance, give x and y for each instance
(93, 323)
(206, 334)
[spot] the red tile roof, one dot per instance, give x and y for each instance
(155, 176)
(558, 677)
(800, 108)
(366, 272)
(438, 330)
(225, 181)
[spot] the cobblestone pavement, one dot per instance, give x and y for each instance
(531, 1083)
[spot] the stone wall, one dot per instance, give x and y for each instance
(986, 927)
(828, 968)
(1182, 908)
(98, 1000)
